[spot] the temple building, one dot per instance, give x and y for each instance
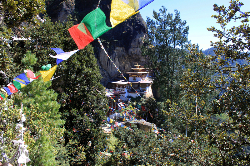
(138, 84)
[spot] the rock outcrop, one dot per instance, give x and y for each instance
(122, 42)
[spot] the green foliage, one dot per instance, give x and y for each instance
(207, 100)
(9, 117)
(44, 124)
(167, 36)
(153, 111)
(231, 135)
(16, 12)
(77, 81)
(29, 59)
(83, 106)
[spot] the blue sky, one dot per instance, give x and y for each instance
(197, 13)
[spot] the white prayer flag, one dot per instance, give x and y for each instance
(65, 55)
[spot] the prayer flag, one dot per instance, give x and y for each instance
(31, 75)
(95, 22)
(12, 88)
(58, 51)
(7, 90)
(2, 95)
(64, 55)
(137, 4)
(47, 75)
(17, 85)
(46, 67)
(81, 39)
(4, 92)
(21, 78)
(120, 11)
(1, 98)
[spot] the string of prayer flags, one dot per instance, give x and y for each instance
(95, 22)
(137, 4)
(120, 11)
(47, 75)
(81, 39)
(63, 55)
(116, 66)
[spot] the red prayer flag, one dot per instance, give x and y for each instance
(12, 88)
(30, 74)
(81, 39)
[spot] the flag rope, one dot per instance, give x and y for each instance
(116, 66)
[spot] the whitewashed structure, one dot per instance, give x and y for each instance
(139, 84)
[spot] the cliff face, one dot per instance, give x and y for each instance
(122, 42)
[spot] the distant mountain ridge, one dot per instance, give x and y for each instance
(209, 51)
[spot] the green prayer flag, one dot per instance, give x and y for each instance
(2, 95)
(47, 67)
(95, 22)
(17, 85)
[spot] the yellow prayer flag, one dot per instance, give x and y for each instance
(134, 4)
(120, 11)
(47, 75)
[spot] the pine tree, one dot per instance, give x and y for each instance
(230, 136)
(84, 106)
(167, 35)
(45, 132)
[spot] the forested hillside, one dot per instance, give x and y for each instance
(52, 111)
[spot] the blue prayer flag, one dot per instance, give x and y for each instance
(22, 79)
(7, 90)
(58, 51)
